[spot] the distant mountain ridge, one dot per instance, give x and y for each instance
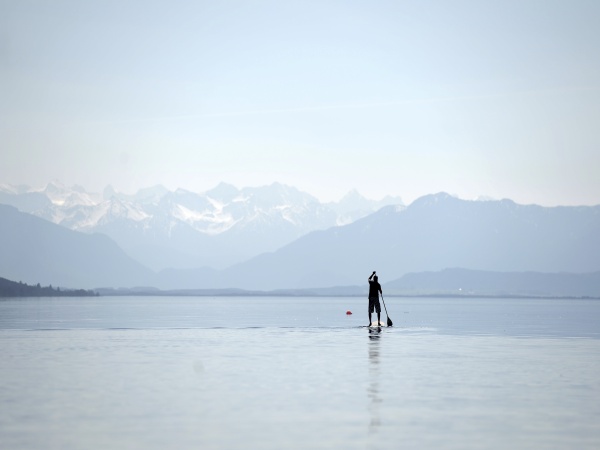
(445, 283)
(37, 251)
(435, 232)
(183, 229)
(480, 283)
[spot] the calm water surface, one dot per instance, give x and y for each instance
(273, 373)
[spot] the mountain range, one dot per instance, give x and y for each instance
(432, 234)
(182, 229)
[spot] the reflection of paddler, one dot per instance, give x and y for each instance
(374, 291)
(373, 389)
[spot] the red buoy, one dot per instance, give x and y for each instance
(348, 313)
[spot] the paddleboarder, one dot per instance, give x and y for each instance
(374, 291)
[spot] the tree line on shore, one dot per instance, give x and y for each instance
(10, 288)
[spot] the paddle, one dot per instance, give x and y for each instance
(389, 321)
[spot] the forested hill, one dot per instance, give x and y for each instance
(10, 288)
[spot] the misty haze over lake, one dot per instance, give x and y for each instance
(193, 194)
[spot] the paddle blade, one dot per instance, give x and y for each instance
(390, 322)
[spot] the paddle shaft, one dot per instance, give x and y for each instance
(386, 313)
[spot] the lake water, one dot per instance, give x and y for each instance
(298, 373)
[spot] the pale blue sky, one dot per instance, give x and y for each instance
(407, 98)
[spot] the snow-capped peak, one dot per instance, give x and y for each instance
(183, 222)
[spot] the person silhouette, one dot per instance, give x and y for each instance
(374, 291)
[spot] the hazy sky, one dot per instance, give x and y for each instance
(407, 98)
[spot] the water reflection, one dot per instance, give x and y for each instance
(374, 374)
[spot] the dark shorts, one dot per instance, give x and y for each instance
(374, 305)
